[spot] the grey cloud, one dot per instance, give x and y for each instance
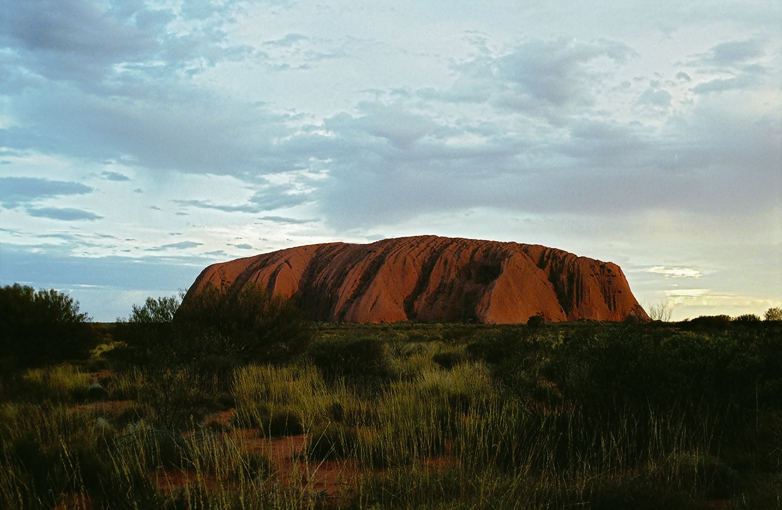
(297, 52)
(203, 9)
(204, 204)
(115, 176)
(58, 265)
(282, 219)
(584, 167)
(190, 131)
(15, 191)
(87, 82)
(742, 81)
(108, 48)
(391, 122)
(538, 77)
(184, 245)
(655, 97)
(555, 71)
(735, 52)
(277, 197)
(681, 75)
(77, 39)
(287, 41)
(243, 246)
(62, 214)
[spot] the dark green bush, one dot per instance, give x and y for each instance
(707, 322)
(336, 411)
(271, 421)
(332, 441)
(350, 358)
(284, 423)
(214, 330)
(448, 359)
(629, 368)
(516, 357)
(251, 325)
(41, 328)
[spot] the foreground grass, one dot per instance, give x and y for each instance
(449, 416)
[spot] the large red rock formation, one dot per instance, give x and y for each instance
(430, 278)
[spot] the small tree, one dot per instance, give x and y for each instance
(661, 311)
(188, 352)
(156, 311)
(42, 327)
(252, 325)
(773, 314)
(147, 334)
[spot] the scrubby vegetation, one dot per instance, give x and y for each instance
(240, 404)
(41, 327)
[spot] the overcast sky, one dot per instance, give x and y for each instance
(143, 140)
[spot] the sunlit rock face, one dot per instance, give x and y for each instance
(430, 278)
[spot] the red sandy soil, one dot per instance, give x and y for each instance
(110, 406)
(289, 460)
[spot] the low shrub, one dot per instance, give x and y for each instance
(449, 359)
(42, 328)
(61, 384)
(332, 441)
(284, 423)
(351, 358)
(272, 421)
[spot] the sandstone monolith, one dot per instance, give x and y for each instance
(431, 278)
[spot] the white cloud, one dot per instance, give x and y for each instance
(675, 272)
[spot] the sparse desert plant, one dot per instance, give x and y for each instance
(174, 398)
(661, 311)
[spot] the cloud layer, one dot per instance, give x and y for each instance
(238, 126)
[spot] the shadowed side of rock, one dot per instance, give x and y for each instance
(430, 278)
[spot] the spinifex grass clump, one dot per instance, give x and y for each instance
(61, 383)
(49, 451)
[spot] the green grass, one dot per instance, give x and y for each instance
(572, 416)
